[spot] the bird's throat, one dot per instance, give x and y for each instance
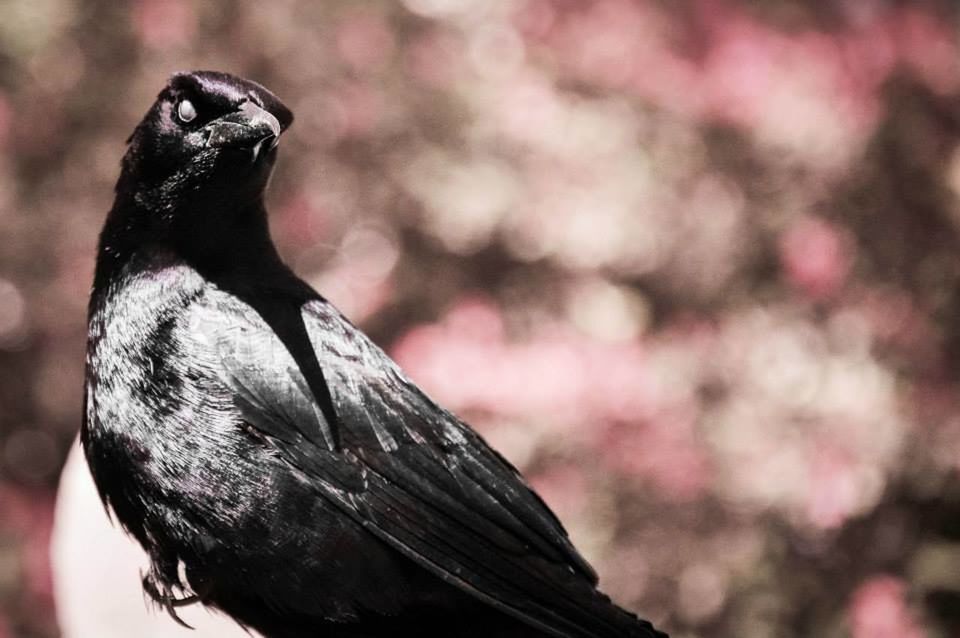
(219, 241)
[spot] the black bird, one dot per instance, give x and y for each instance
(274, 463)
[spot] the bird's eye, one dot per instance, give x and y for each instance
(186, 111)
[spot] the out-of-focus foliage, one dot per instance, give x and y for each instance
(692, 265)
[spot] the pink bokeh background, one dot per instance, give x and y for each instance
(692, 266)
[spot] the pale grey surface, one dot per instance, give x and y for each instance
(96, 573)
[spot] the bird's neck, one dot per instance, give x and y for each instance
(223, 241)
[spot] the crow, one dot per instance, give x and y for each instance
(273, 462)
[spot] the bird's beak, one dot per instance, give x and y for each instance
(249, 127)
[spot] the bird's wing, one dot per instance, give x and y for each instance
(408, 471)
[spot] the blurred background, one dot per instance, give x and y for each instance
(693, 265)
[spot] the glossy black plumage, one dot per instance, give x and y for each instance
(274, 462)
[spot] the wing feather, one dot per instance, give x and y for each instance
(409, 471)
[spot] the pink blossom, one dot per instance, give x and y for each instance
(28, 516)
(6, 119)
(928, 46)
(468, 363)
(354, 109)
(896, 321)
(164, 23)
(564, 489)
(364, 40)
(433, 59)
(663, 450)
(358, 297)
(816, 257)
(740, 68)
(298, 223)
(878, 610)
(610, 42)
(23, 510)
(536, 18)
(740, 63)
(476, 318)
(46, 125)
(868, 55)
(39, 579)
(833, 493)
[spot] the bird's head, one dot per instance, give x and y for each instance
(196, 167)
(208, 135)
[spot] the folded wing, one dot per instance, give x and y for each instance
(408, 471)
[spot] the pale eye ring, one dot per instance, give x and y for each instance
(186, 111)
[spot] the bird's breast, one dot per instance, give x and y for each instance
(156, 414)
